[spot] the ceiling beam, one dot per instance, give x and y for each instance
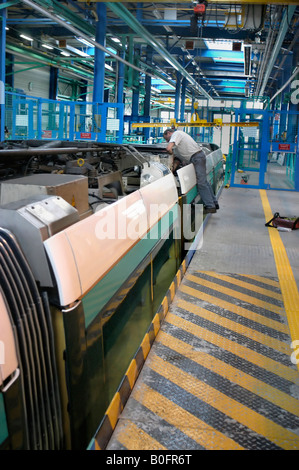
(121, 11)
(43, 10)
(80, 33)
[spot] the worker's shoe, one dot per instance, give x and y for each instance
(209, 210)
(217, 206)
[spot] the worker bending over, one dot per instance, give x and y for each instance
(181, 146)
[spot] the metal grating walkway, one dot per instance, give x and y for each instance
(219, 374)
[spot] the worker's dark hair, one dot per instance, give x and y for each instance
(168, 130)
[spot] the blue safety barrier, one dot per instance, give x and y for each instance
(30, 117)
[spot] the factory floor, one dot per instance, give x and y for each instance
(222, 373)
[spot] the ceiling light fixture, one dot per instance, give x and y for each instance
(84, 42)
(155, 89)
(47, 46)
(26, 37)
(77, 51)
(115, 39)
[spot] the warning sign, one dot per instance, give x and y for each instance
(284, 147)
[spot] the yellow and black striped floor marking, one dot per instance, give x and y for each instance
(219, 375)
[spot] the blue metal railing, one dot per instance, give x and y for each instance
(28, 117)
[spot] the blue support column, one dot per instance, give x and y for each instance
(9, 73)
(136, 90)
(193, 111)
(99, 56)
(120, 78)
(265, 148)
(53, 88)
(135, 105)
(83, 95)
(2, 72)
(120, 92)
(71, 131)
(183, 99)
(147, 98)
(177, 96)
(53, 85)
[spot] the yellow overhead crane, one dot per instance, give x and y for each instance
(195, 123)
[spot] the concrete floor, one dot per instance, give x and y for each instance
(236, 239)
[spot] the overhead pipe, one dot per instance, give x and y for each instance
(99, 56)
(120, 10)
(78, 32)
(91, 41)
(290, 48)
(288, 15)
(269, 44)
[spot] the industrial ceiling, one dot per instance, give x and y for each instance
(222, 50)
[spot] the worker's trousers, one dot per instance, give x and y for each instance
(204, 188)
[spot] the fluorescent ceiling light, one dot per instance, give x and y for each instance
(47, 46)
(108, 67)
(114, 51)
(155, 89)
(77, 51)
(63, 19)
(220, 44)
(228, 59)
(6, 27)
(115, 39)
(84, 42)
(65, 53)
(26, 37)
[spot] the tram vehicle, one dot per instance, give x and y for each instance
(91, 237)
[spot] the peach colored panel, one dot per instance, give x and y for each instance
(8, 355)
(101, 240)
(159, 197)
(63, 263)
